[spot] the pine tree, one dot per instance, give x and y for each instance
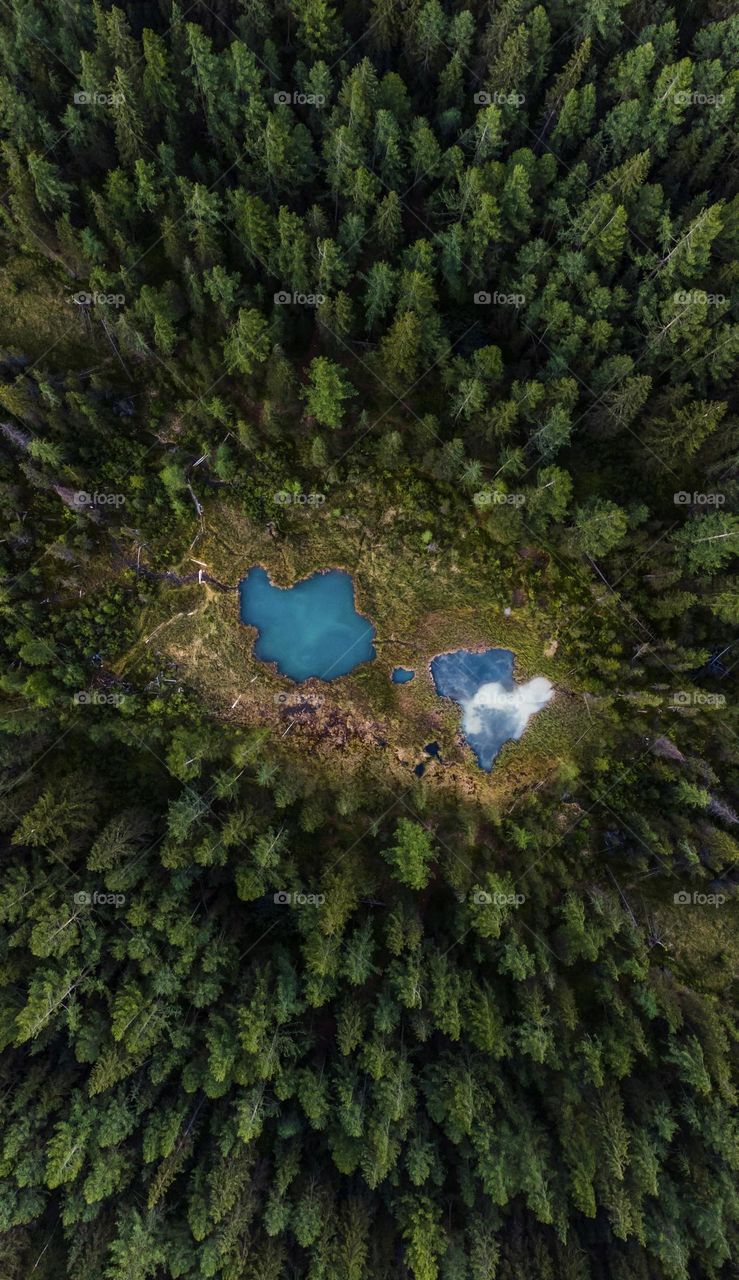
(326, 392)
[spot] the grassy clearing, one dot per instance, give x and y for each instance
(421, 601)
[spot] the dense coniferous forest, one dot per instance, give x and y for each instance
(276, 1005)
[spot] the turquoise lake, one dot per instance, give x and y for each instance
(311, 630)
(495, 709)
(401, 675)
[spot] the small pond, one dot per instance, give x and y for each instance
(494, 708)
(401, 675)
(309, 630)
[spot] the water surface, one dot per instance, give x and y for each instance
(309, 630)
(401, 675)
(494, 708)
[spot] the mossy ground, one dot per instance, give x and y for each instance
(35, 320)
(422, 602)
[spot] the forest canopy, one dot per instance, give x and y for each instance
(270, 1006)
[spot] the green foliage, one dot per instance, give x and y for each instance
(411, 854)
(326, 392)
(493, 250)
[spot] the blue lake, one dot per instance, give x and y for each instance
(309, 630)
(401, 675)
(495, 709)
